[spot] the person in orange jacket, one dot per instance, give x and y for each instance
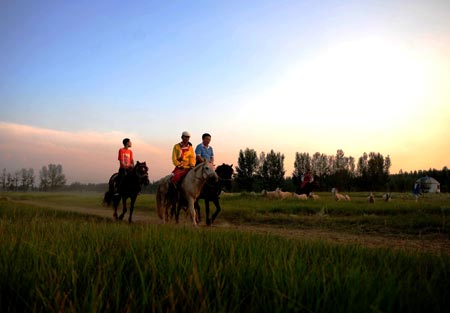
(183, 157)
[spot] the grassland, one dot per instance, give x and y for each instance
(63, 252)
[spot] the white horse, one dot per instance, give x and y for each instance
(190, 190)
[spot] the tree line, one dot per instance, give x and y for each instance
(51, 178)
(370, 172)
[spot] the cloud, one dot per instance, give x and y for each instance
(86, 156)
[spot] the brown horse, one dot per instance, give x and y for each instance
(190, 189)
(130, 188)
(211, 191)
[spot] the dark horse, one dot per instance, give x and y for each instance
(211, 191)
(131, 186)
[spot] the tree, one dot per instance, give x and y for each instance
(272, 170)
(12, 181)
(343, 173)
(387, 164)
(9, 182)
(362, 165)
(247, 169)
(319, 165)
(302, 164)
(3, 179)
(52, 177)
(351, 167)
(377, 171)
(26, 179)
(340, 160)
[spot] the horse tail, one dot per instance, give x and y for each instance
(161, 196)
(109, 195)
(107, 199)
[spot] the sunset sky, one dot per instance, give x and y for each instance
(76, 77)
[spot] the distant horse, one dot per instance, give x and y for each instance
(130, 188)
(212, 190)
(190, 189)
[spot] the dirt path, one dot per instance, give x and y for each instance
(434, 243)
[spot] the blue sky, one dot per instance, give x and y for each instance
(293, 76)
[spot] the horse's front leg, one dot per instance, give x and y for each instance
(124, 208)
(175, 209)
(197, 209)
(132, 201)
(116, 201)
(191, 207)
(207, 210)
(218, 208)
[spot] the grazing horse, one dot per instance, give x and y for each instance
(130, 188)
(190, 189)
(212, 190)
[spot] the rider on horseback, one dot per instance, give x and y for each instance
(204, 151)
(183, 157)
(126, 162)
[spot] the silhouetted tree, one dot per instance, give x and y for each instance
(247, 169)
(26, 179)
(343, 171)
(377, 172)
(52, 177)
(272, 170)
(302, 164)
(3, 179)
(319, 165)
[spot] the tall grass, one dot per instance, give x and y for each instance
(57, 261)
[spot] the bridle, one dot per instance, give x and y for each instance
(203, 176)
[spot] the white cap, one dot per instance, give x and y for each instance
(186, 134)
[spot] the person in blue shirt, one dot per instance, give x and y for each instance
(204, 151)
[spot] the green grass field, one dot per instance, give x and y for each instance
(62, 252)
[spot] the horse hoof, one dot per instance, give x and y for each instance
(115, 216)
(208, 222)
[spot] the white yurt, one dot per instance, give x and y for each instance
(429, 185)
